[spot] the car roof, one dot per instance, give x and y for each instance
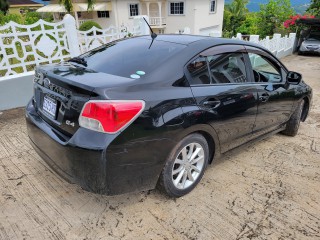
(186, 39)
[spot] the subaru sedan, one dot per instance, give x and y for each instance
(147, 112)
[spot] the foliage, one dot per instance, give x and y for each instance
(234, 16)
(4, 6)
(11, 17)
(68, 5)
(292, 20)
(33, 17)
(88, 25)
(314, 8)
(249, 25)
(272, 15)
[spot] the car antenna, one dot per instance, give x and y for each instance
(153, 35)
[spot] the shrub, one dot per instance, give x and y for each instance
(32, 17)
(88, 25)
(13, 17)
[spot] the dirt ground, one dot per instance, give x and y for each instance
(270, 190)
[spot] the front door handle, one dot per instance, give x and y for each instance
(212, 103)
(264, 97)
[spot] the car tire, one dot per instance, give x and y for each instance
(185, 166)
(293, 124)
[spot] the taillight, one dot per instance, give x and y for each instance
(110, 116)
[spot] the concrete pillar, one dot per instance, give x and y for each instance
(148, 8)
(160, 14)
(72, 35)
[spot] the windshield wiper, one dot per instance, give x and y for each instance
(79, 60)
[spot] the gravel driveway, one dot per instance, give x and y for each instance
(270, 190)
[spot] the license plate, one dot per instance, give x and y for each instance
(49, 106)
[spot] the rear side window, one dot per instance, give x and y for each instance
(218, 69)
(130, 58)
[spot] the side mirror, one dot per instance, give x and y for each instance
(294, 78)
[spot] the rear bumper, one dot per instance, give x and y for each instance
(91, 159)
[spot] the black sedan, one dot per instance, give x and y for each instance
(142, 112)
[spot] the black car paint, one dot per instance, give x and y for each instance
(132, 160)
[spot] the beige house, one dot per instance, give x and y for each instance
(202, 17)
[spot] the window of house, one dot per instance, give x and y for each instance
(103, 14)
(134, 9)
(176, 8)
(213, 6)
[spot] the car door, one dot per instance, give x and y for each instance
(219, 82)
(274, 95)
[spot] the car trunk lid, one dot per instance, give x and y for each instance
(61, 90)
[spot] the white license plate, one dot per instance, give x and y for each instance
(49, 106)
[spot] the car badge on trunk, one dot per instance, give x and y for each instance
(46, 82)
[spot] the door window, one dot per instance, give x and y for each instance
(198, 70)
(264, 70)
(227, 68)
(218, 69)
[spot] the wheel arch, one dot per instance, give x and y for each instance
(306, 108)
(208, 133)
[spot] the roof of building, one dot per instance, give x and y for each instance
(309, 21)
(23, 2)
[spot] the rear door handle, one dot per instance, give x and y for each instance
(264, 97)
(212, 103)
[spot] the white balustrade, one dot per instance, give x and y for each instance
(157, 21)
(279, 46)
(22, 47)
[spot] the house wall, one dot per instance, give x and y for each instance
(179, 22)
(16, 8)
(197, 15)
(120, 12)
(206, 22)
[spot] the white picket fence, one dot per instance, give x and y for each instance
(22, 47)
(279, 46)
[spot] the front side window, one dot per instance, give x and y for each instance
(212, 6)
(218, 69)
(227, 68)
(134, 9)
(176, 8)
(103, 14)
(264, 70)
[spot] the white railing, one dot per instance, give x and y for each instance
(157, 21)
(96, 37)
(279, 46)
(22, 47)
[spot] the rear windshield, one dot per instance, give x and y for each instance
(132, 58)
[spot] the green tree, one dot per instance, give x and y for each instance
(272, 15)
(68, 4)
(234, 16)
(314, 8)
(249, 25)
(4, 6)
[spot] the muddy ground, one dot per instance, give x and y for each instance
(270, 190)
